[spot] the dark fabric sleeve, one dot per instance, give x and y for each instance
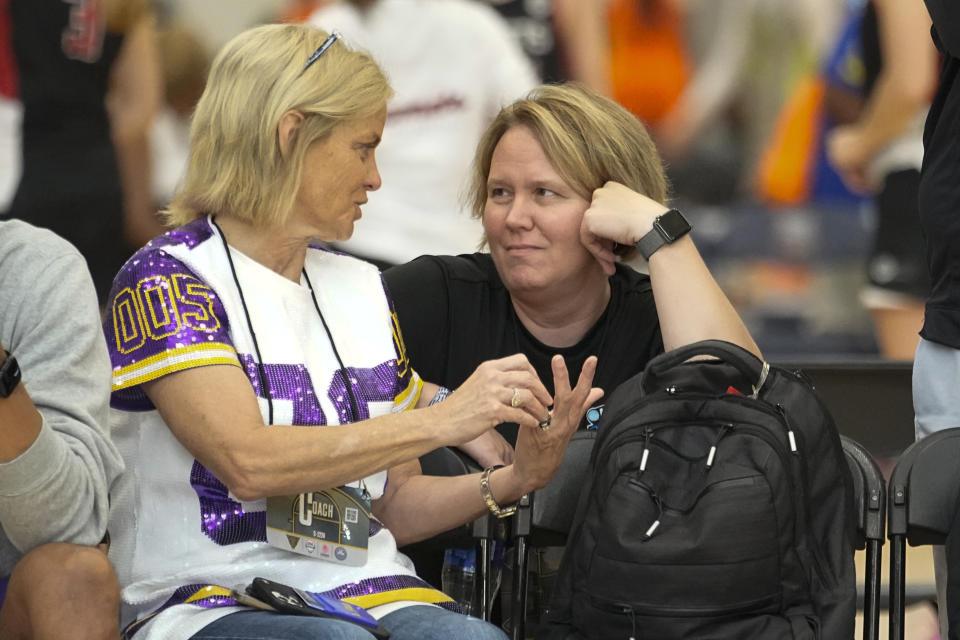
(420, 296)
(946, 22)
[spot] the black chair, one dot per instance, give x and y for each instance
(870, 499)
(543, 519)
(923, 492)
(447, 461)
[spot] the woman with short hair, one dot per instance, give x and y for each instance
(566, 182)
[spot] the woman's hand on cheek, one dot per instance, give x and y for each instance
(616, 215)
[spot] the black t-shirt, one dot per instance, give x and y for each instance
(940, 183)
(454, 313)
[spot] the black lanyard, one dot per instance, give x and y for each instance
(261, 372)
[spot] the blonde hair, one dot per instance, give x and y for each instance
(588, 138)
(236, 167)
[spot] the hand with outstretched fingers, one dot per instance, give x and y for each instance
(540, 450)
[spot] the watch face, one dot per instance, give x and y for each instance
(9, 376)
(672, 225)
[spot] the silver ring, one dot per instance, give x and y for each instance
(515, 401)
(545, 425)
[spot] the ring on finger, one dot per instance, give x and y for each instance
(515, 401)
(545, 425)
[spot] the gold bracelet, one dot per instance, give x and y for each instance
(495, 508)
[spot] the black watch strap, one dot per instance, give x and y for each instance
(667, 227)
(9, 375)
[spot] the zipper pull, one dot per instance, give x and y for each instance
(713, 449)
(656, 523)
(646, 449)
(792, 438)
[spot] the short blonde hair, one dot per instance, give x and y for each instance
(235, 165)
(588, 138)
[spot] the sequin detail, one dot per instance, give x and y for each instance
(190, 234)
(162, 318)
(223, 519)
(368, 385)
(287, 382)
(206, 596)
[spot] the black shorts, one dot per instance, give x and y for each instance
(898, 261)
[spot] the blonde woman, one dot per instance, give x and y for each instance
(235, 323)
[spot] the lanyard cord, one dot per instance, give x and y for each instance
(261, 373)
(333, 345)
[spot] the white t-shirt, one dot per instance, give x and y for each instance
(176, 528)
(452, 64)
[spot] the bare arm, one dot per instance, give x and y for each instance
(582, 26)
(904, 86)
(213, 412)
(715, 80)
(132, 101)
(690, 304)
(416, 507)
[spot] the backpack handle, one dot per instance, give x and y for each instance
(752, 367)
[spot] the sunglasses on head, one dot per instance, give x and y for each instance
(320, 50)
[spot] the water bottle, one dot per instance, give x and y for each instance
(458, 577)
(468, 581)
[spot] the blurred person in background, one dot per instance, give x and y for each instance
(741, 60)
(565, 39)
(880, 152)
(88, 80)
(936, 366)
(184, 62)
(453, 64)
(300, 10)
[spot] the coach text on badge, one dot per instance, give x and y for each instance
(331, 525)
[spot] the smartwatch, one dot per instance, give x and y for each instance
(9, 375)
(667, 227)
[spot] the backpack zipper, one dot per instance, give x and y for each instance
(765, 434)
(628, 608)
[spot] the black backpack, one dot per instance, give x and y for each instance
(717, 505)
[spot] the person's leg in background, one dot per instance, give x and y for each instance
(61, 590)
(896, 269)
(936, 404)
